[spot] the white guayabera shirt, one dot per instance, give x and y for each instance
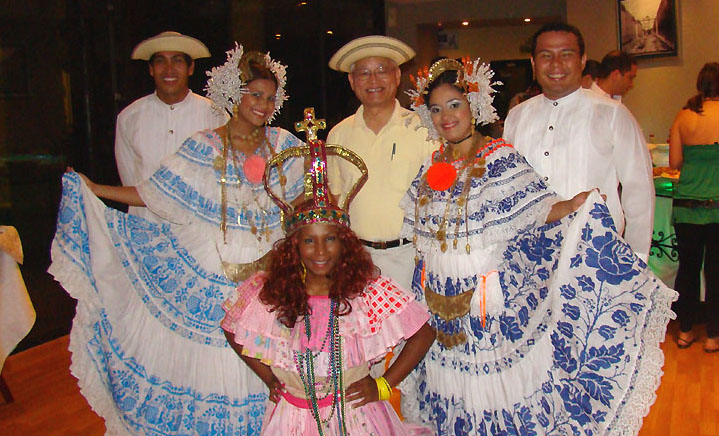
(149, 130)
(584, 141)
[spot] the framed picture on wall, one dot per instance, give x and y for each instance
(648, 28)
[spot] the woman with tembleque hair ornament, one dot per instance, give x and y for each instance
(547, 323)
(147, 345)
(313, 323)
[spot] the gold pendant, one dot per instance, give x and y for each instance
(443, 247)
(423, 200)
(468, 248)
(461, 201)
(477, 172)
(454, 244)
(283, 180)
(219, 163)
(441, 235)
(414, 240)
(253, 229)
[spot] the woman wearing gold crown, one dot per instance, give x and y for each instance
(542, 329)
(314, 322)
(147, 345)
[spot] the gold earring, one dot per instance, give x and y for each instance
(303, 272)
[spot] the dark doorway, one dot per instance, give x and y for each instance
(516, 76)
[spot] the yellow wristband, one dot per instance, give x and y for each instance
(384, 390)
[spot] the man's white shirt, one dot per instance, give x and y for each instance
(584, 141)
(148, 130)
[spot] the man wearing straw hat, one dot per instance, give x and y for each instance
(155, 126)
(387, 138)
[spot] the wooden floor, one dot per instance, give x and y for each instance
(48, 401)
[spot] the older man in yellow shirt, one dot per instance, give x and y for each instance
(386, 136)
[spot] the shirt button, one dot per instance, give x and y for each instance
(555, 104)
(171, 132)
(172, 108)
(546, 178)
(551, 127)
(546, 153)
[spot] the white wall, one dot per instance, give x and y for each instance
(403, 17)
(485, 43)
(415, 21)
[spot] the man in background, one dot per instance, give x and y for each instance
(590, 73)
(617, 73)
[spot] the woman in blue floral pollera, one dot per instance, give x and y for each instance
(542, 329)
(147, 346)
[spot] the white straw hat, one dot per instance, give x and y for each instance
(170, 41)
(370, 46)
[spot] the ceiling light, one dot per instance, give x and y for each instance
(465, 23)
(527, 20)
(278, 35)
(329, 32)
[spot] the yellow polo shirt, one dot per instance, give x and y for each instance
(393, 158)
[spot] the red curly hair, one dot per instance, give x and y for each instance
(285, 293)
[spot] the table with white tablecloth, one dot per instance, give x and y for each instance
(17, 314)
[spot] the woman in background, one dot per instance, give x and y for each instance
(694, 149)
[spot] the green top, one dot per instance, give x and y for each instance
(699, 180)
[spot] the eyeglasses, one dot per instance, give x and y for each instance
(382, 73)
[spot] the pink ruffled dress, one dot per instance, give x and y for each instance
(381, 316)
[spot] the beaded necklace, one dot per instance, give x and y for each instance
(305, 364)
(253, 138)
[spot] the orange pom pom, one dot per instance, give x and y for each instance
(441, 176)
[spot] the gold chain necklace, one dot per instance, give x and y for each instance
(471, 167)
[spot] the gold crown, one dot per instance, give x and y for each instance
(322, 208)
